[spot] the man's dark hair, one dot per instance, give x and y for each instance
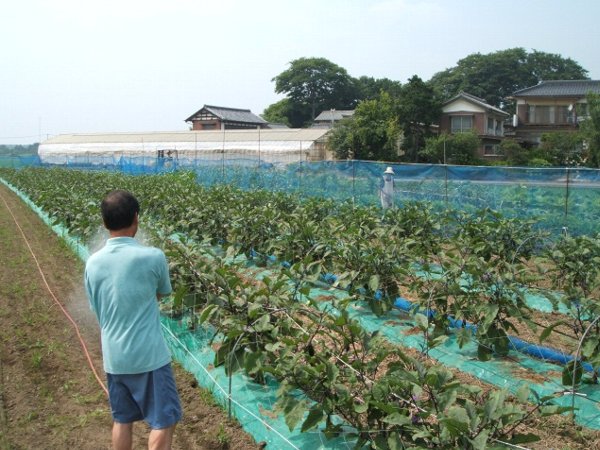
(119, 209)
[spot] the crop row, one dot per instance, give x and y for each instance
(390, 398)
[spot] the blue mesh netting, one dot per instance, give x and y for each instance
(557, 197)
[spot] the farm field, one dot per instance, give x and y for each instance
(244, 264)
(49, 398)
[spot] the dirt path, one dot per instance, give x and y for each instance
(49, 397)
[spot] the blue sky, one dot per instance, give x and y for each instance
(76, 66)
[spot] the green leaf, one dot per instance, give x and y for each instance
(456, 426)
(480, 442)
(551, 410)
(263, 324)
(463, 337)
(502, 345)
(421, 321)
(522, 393)
(548, 330)
(397, 418)
(572, 373)
(437, 341)
(484, 353)
(252, 362)
(374, 282)
(273, 347)
(394, 442)
(332, 372)
(207, 313)
(492, 405)
(361, 408)
(590, 348)
(315, 416)
(294, 415)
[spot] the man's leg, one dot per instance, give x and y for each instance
(122, 435)
(161, 439)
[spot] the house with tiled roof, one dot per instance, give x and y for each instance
(468, 113)
(221, 118)
(550, 106)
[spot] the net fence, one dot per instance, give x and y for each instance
(559, 199)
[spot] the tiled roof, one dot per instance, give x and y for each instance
(478, 101)
(560, 88)
(334, 114)
(230, 114)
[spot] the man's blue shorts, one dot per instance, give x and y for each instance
(149, 396)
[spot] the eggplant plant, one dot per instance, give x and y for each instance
(476, 281)
(575, 270)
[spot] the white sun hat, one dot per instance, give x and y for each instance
(389, 170)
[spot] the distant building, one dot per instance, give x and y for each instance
(550, 106)
(221, 118)
(329, 117)
(467, 113)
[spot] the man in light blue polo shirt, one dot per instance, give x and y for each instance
(123, 281)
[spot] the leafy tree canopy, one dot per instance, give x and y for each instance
(316, 84)
(515, 154)
(373, 133)
(369, 88)
(495, 76)
(278, 112)
(460, 148)
(382, 124)
(562, 149)
(418, 108)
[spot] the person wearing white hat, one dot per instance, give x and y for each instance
(386, 193)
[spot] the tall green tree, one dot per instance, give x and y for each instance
(495, 76)
(316, 84)
(418, 108)
(372, 133)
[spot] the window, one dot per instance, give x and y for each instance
(491, 150)
(490, 126)
(563, 115)
(460, 124)
(542, 114)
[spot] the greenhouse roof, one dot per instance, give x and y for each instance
(279, 134)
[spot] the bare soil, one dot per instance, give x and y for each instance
(49, 398)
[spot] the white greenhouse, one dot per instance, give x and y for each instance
(265, 145)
